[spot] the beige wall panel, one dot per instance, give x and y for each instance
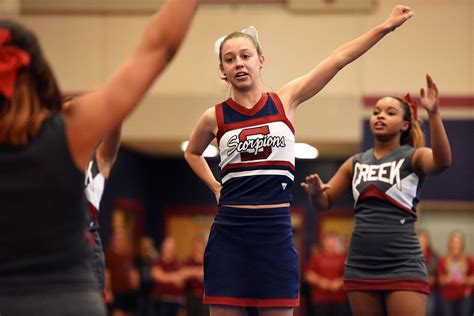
(9, 7)
(85, 50)
(437, 40)
(75, 47)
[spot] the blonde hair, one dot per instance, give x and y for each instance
(462, 261)
(239, 34)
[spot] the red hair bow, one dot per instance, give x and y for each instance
(11, 59)
(413, 105)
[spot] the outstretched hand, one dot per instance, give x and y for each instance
(398, 16)
(313, 185)
(429, 99)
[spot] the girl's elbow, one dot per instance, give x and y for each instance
(339, 60)
(442, 166)
(448, 164)
(187, 155)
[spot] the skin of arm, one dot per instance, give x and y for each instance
(201, 137)
(428, 161)
(193, 272)
(109, 297)
(106, 152)
(443, 276)
(175, 277)
(322, 195)
(315, 279)
(305, 87)
(323, 283)
(102, 110)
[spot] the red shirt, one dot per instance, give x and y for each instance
(459, 270)
(120, 267)
(329, 266)
(196, 284)
(165, 291)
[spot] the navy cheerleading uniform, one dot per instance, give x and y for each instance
(250, 258)
(385, 254)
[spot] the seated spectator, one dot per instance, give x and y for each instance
(325, 276)
(456, 274)
(168, 288)
(194, 271)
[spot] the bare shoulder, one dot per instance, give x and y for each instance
(210, 113)
(420, 156)
(346, 167)
(285, 94)
(208, 121)
(286, 98)
(210, 116)
(421, 151)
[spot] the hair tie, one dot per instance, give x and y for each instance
(413, 105)
(251, 30)
(11, 59)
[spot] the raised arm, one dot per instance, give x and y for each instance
(201, 137)
(305, 87)
(106, 152)
(437, 158)
(322, 195)
(102, 110)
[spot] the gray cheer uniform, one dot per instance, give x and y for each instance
(384, 253)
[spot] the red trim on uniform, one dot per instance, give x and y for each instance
(93, 211)
(256, 302)
(249, 112)
(257, 164)
(220, 121)
(386, 285)
(251, 123)
(281, 110)
(90, 239)
(372, 192)
(223, 128)
(466, 101)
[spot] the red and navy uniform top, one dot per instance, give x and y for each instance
(256, 149)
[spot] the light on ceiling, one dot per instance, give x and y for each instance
(305, 151)
(211, 150)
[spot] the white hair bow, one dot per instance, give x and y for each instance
(251, 30)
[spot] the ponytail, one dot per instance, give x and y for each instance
(413, 136)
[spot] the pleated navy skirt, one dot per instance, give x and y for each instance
(250, 259)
